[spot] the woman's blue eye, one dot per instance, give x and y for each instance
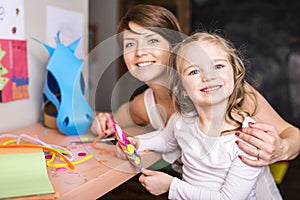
(218, 66)
(153, 41)
(130, 44)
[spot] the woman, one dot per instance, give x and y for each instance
(274, 138)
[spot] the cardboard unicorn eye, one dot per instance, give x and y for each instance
(130, 151)
(64, 89)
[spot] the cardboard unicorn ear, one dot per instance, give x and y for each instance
(74, 45)
(49, 49)
(63, 90)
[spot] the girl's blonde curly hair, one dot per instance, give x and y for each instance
(184, 105)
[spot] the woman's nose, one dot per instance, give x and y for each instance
(141, 50)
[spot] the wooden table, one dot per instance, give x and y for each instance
(92, 178)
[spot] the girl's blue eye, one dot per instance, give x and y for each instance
(194, 72)
(218, 66)
(153, 41)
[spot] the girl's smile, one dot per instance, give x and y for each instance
(210, 89)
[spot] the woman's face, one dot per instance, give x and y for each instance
(145, 53)
(207, 73)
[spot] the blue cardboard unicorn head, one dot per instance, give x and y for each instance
(64, 88)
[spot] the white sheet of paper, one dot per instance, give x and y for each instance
(70, 24)
(12, 19)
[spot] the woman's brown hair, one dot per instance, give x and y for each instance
(155, 18)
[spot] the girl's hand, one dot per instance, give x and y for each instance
(102, 124)
(120, 153)
(265, 137)
(155, 182)
(134, 141)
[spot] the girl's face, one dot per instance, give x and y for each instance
(207, 73)
(145, 53)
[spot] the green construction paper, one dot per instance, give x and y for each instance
(3, 82)
(3, 70)
(24, 174)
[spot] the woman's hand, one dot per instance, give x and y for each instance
(102, 124)
(269, 146)
(155, 182)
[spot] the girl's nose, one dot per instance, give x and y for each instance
(208, 74)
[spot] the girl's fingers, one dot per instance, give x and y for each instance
(120, 153)
(147, 172)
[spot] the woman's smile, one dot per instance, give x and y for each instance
(145, 64)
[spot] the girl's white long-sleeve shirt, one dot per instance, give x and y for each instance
(211, 167)
(155, 114)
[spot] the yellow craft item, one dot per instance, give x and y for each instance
(278, 170)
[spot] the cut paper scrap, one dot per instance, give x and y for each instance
(23, 174)
(14, 69)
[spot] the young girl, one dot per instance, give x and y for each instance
(208, 91)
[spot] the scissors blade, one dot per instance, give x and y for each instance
(109, 139)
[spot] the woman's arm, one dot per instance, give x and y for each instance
(130, 115)
(273, 136)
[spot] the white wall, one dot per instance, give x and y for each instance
(25, 112)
